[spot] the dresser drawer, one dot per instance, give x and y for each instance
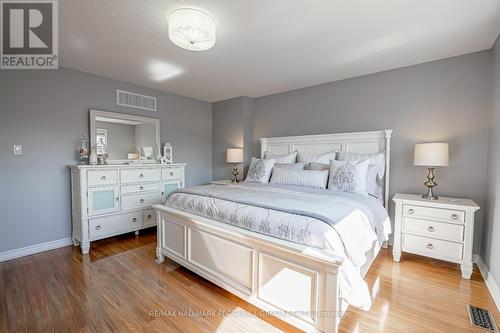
(105, 226)
(136, 201)
(149, 217)
(440, 214)
(134, 188)
(171, 173)
(428, 228)
(102, 177)
(139, 175)
(434, 248)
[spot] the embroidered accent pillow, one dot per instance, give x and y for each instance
(287, 158)
(376, 169)
(307, 178)
(349, 176)
(260, 170)
(319, 158)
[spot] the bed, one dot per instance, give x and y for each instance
(298, 253)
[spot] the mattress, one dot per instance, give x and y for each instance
(340, 223)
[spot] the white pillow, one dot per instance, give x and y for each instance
(319, 158)
(287, 158)
(296, 166)
(349, 176)
(376, 169)
(308, 178)
(259, 171)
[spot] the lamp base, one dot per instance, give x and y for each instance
(235, 174)
(430, 183)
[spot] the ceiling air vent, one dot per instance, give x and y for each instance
(133, 100)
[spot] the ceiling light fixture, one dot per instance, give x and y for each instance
(191, 29)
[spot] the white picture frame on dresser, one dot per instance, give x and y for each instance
(108, 200)
(441, 229)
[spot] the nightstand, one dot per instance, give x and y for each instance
(441, 229)
(222, 182)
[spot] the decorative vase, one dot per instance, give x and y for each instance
(93, 157)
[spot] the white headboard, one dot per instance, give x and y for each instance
(359, 142)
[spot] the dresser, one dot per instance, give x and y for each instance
(109, 200)
(441, 229)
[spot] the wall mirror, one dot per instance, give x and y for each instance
(125, 138)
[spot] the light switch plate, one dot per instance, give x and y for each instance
(18, 150)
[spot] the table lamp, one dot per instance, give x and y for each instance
(431, 155)
(235, 156)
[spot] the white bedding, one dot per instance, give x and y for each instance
(361, 222)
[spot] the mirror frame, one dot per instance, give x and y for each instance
(100, 113)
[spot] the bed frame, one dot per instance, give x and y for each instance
(294, 282)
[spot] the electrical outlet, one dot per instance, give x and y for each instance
(18, 150)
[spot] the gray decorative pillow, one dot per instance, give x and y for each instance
(260, 170)
(286, 158)
(318, 166)
(295, 166)
(349, 176)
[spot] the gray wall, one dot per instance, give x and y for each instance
(491, 234)
(232, 128)
(47, 111)
(446, 100)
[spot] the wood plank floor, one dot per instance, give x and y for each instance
(120, 288)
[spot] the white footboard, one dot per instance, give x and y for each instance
(296, 283)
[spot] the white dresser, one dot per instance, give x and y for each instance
(109, 200)
(441, 229)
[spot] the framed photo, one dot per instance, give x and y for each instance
(168, 154)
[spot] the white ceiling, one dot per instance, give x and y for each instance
(269, 46)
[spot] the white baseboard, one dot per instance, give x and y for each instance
(32, 249)
(490, 282)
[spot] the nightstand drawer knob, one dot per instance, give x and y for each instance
(454, 216)
(430, 246)
(431, 228)
(411, 211)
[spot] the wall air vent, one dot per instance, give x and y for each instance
(133, 100)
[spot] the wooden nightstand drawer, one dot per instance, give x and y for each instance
(429, 228)
(435, 248)
(438, 214)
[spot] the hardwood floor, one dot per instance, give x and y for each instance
(120, 288)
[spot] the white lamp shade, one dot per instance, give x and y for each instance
(191, 29)
(431, 154)
(234, 155)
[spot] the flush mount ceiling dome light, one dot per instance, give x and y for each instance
(191, 29)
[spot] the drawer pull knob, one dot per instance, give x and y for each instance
(171, 173)
(97, 227)
(103, 178)
(134, 219)
(430, 246)
(141, 201)
(141, 175)
(141, 188)
(454, 216)
(150, 217)
(431, 228)
(411, 211)
(117, 199)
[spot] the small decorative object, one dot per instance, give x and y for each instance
(84, 150)
(93, 157)
(163, 160)
(235, 156)
(158, 153)
(431, 155)
(168, 153)
(146, 153)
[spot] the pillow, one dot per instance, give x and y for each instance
(296, 166)
(287, 158)
(377, 159)
(259, 171)
(349, 176)
(308, 178)
(318, 166)
(376, 169)
(319, 158)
